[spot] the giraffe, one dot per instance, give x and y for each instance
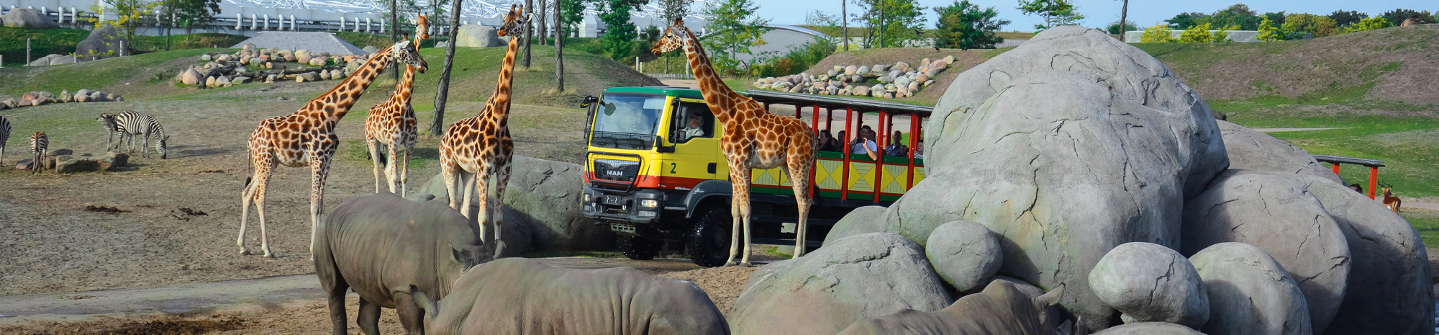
(392, 123)
(480, 146)
(307, 137)
(753, 139)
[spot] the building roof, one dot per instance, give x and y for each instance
(315, 42)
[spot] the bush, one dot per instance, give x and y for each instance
(1222, 35)
(1296, 25)
(1196, 34)
(1267, 32)
(1158, 33)
(1368, 24)
(796, 60)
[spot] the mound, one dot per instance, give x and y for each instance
(1397, 61)
(963, 60)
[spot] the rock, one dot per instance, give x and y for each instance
(477, 36)
(543, 194)
(924, 61)
(337, 74)
(850, 70)
(317, 61)
(1249, 293)
(888, 95)
(52, 59)
(257, 61)
(1252, 150)
(922, 78)
(1149, 328)
(913, 87)
(241, 80)
(1388, 290)
(369, 49)
(224, 58)
(24, 164)
(97, 96)
(72, 164)
(862, 70)
(111, 160)
(1150, 283)
(59, 152)
(48, 97)
(878, 68)
(81, 98)
(190, 77)
(839, 68)
(307, 76)
(862, 276)
(856, 78)
(210, 82)
(939, 65)
(104, 41)
(269, 79)
(832, 73)
(206, 58)
(10, 103)
(964, 253)
(325, 74)
(1002, 308)
(302, 56)
(28, 18)
(65, 96)
(860, 91)
(901, 67)
(796, 88)
(287, 55)
(901, 91)
(949, 59)
(113, 97)
(927, 83)
(1273, 212)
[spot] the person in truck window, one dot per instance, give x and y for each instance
(895, 148)
(693, 129)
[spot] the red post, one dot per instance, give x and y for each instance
(1336, 168)
(844, 151)
(879, 145)
(1373, 180)
(796, 111)
(913, 147)
(814, 120)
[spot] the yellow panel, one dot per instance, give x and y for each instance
(861, 177)
(894, 178)
(827, 174)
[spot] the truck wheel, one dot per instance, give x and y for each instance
(708, 245)
(638, 248)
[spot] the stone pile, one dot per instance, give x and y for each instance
(251, 64)
(896, 80)
(37, 98)
(65, 161)
(1102, 175)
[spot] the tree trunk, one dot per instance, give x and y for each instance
(559, 51)
(529, 8)
(544, 28)
(394, 24)
(1123, 15)
(844, 19)
(437, 126)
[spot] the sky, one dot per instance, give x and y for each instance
(1102, 12)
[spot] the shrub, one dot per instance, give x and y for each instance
(1158, 33)
(1267, 32)
(1222, 35)
(1368, 24)
(1196, 34)
(1296, 25)
(796, 60)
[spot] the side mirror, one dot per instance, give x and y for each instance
(660, 147)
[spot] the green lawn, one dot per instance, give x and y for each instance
(62, 41)
(1427, 223)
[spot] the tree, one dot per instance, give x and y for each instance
(1114, 29)
(1186, 20)
(529, 12)
(1158, 33)
(1319, 26)
(963, 25)
(1124, 18)
(1370, 23)
(437, 125)
(675, 9)
(1222, 34)
(1345, 18)
(735, 28)
(1276, 19)
(619, 38)
(1055, 12)
(560, 17)
(1397, 16)
(126, 12)
(187, 14)
(890, 22)
(568, 14)
(1235, 15)
(1267, 32)
(1196, 34)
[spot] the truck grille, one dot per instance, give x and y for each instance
(616, 170)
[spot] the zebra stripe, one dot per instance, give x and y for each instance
(4, 136)
(38, 145)
(131, 123)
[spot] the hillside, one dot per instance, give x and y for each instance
(964, 60)
(63, 40)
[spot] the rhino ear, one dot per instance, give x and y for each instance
(1049, 299)
(424, 302)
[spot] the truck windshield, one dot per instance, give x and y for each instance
(627, 121)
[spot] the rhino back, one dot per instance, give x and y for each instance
(381, 243)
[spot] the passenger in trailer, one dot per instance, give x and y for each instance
(827, 142)
(896, 147)
(865, 144)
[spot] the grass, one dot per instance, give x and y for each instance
(63, 41)
(1426, 222)
(137, 75)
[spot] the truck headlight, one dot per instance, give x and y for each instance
(649, 203)
(587, 197)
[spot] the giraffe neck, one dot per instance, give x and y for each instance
(405, 87)
(718, 96)
(499, 105)
(338, 100)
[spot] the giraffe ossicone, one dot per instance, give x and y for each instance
(753, 139)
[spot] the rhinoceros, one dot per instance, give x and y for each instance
(522, 296)
(1000, 309)
(381, 245)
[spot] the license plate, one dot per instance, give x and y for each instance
(623, 228)
(613, 200)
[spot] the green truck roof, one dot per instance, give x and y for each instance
(661, 90)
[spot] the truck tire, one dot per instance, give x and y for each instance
(638, 248)
(708, 245)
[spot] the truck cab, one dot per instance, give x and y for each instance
(654, 173)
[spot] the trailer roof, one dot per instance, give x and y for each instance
(859, 105)
(1349, 160)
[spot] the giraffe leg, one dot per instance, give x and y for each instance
(481, 183)
(246, 197)
(373, 146)
(799, 180)
(405, 173)
(390, 176)
(319, 169)
(452, 180)
(739, 210)
(467, 187)
(502, 180)
(260, 209)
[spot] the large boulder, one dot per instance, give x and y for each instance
(477, 36)
(111, 160)
(1149, 282)
(29, 19)
(104, 41)
(1149, 328)
(1388, 289)
(863, 276)
(1249, 293)
(72, 164)
(1001, 308)
(191, 77)
(1089, 143)
(1252, 150)
(863, 220)
(965, 253)
(544, 196)
(1273, 212)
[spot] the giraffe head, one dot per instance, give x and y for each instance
(514, 21)
(674, 38)
(422, 28)
(408, 53)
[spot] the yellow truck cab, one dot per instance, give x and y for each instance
(654, 172)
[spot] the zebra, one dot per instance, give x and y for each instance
(4, 136)
(38, 144)
(131, 123)
(108, 120)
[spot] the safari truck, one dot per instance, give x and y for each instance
(654, 171)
